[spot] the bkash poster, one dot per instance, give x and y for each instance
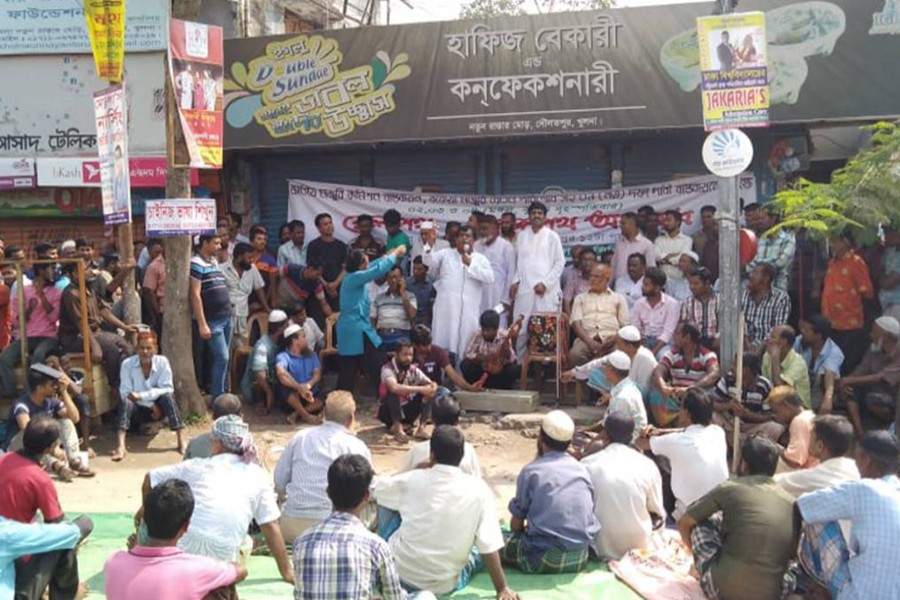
(195, 65)
(111, 113)
(106, 29)
(733, 70)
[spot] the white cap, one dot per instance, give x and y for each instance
(889, 325)
(618, 360)
(277, 316)
(692, 255)
(558, 426)
(630, 333)
(67, 245)
(426, 225)
(291, 330)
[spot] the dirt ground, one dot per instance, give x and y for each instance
(503, 447)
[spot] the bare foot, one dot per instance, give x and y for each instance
(64, 473)
(422, 434)
(312, 419)
(119, 454)
(399, 434)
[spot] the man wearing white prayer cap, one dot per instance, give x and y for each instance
(876, 381)
(428, 243)
(259, 375)
(643, 362)
(553, 523)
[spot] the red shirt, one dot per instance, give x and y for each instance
(24, 489)
(847, 283)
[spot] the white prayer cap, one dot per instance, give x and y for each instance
(277, 316)
(889, 325)
(630, 333)
(291, 330)
(67, 245)
(426, 225)
(692, 255)
(618, 360)
(558, 426)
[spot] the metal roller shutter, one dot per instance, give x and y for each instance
(663, 159)
(273, 172)
(532, 168)
(454, 171)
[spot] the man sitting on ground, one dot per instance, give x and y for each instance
(230, 491)
(553, 523)
(146, 387)
(405, 394)
(445, 412)
(82, 401)
(491, 356)
(832, 437)
(342, 545)
(158, 568)
(743, 533)
(685, 365)
(300, 473)
(866, 566)
(874, 383)
(434, 361)
(444, 513)
(782, 365)
(26, 489)
(260, 372)
(789, 411)
(226, 404)
(698, 454)
(298, 371)
(628, 340)
(314, 334)
(752, 408)
(49, 396)
(629, 501)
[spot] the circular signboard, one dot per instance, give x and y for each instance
(727, 152)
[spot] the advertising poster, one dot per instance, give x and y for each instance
(106, 30)
(112, 147)
(195, 65)
(166, 218)
(734, 78)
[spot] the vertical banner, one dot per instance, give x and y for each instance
(734, 76)
(111, 113)
(195, 66)
(106, 30)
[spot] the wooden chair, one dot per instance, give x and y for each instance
(548, 342)
(330, 349)
(257, 326)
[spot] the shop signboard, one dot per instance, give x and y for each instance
(17, 173)
(166, 218)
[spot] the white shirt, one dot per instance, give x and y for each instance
(626, 398)
(313, 332)
(824, 475)
(642, 366)
(228, 495)
(678, 245)
(240, 286)
(632, 290)
(421, 451)
(302, 470)
(419, 249)
(699, 462)
(629, 489)
(444, 513)
(289, 253)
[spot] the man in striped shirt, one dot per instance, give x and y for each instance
(211, 305)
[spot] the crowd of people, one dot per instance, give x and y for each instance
(819, 378)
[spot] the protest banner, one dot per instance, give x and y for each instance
(734, 76)
(586, 218)
(111, 115)
(195, 66)
(106, 30)
(166, 218)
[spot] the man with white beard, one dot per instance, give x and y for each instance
(461, 277)
(540, 263)
(502, 257)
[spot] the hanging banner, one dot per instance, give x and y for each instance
(106, 30)
(734, 77)
(195, 66)
(165, 218)
(589, 218)
(112, 145)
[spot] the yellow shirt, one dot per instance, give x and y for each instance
(602, 314)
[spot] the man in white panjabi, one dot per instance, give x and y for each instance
(502, 257)
(428, 243)
(540, 263)
(461, 277)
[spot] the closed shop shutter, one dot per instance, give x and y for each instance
(452, 171)
(659, 160)
(274, 171)
(532, 168)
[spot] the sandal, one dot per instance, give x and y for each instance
(80, 470)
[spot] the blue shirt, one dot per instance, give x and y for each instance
(24, 406)
(353, 322)
(873, 508)
(555, 496)
(149, 390)
(830, 358)
(23, 539)
(301, 368)
(423, 292)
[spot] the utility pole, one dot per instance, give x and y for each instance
(177, 341)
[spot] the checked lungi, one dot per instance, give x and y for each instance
(824, 556)
(549, 562)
